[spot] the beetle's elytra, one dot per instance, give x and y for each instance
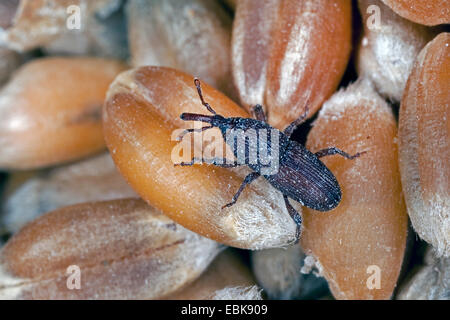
(301, 176)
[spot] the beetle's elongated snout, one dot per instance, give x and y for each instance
(196, 117)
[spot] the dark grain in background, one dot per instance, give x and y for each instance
(3, 177)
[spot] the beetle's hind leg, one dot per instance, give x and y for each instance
(248, 179)
(295, 216)
(333, 150)
(258, 113)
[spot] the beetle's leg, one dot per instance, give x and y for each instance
(295, 216)
(248, 179)
(200, 94)
(290, 129)
(224, 163)
(180, 137)
(258, 113)
(190, 163)
(215, 161)
(333, 150)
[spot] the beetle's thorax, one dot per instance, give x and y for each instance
(254, 143)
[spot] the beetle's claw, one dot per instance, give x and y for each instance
(357, 155)
(306, 111)
(226, 206)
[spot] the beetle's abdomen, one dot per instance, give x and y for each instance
(304, 178)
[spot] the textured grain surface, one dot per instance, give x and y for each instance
(226, 276)
(93, 179)
(424, 135)
(289, 54)
(430, 281)
(278, 272)
(387, 51)
(102, 33)
(140, 115)
(369, 226)
(124, 250)
(8, 9)
(50, 111)
(428, 12)
(238, 293)
(39, 22)
(191, 35)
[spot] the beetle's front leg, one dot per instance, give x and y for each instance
(258, 113)
(295, 216)
(248, 179)
(181, 136)
(215, 161)
(333, 150)
(294, 124)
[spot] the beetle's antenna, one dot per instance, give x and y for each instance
(199, 90)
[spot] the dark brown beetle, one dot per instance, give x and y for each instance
(301, 175)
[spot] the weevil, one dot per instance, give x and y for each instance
(301, 175)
